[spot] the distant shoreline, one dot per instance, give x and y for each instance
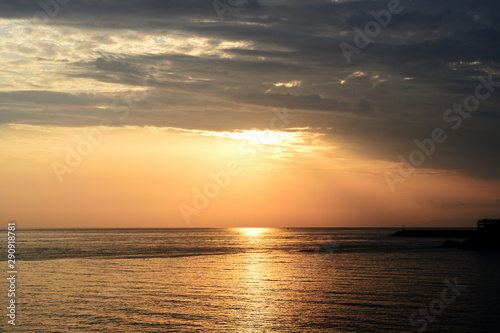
(436, 233)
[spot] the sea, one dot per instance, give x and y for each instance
(247, 280)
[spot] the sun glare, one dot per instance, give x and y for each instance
(259, 137)
(252, 232)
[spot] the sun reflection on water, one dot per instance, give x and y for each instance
(252, 232)
(255, 277)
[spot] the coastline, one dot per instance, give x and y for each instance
(435, 233)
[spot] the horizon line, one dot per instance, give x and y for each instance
(286, 228)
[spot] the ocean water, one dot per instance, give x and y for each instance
(248, 280)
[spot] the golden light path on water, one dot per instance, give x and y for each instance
(255, 273)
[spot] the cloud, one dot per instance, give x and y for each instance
(457, 204)
(223, 75)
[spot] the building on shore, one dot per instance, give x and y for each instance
(488, 226)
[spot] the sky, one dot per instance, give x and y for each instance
(249, 113)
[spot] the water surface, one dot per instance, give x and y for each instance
(247, 280)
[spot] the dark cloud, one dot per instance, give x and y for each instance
(41, 97)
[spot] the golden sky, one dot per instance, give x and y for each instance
(135, 116)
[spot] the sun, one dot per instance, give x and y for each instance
(259, 137)
(252, 232)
